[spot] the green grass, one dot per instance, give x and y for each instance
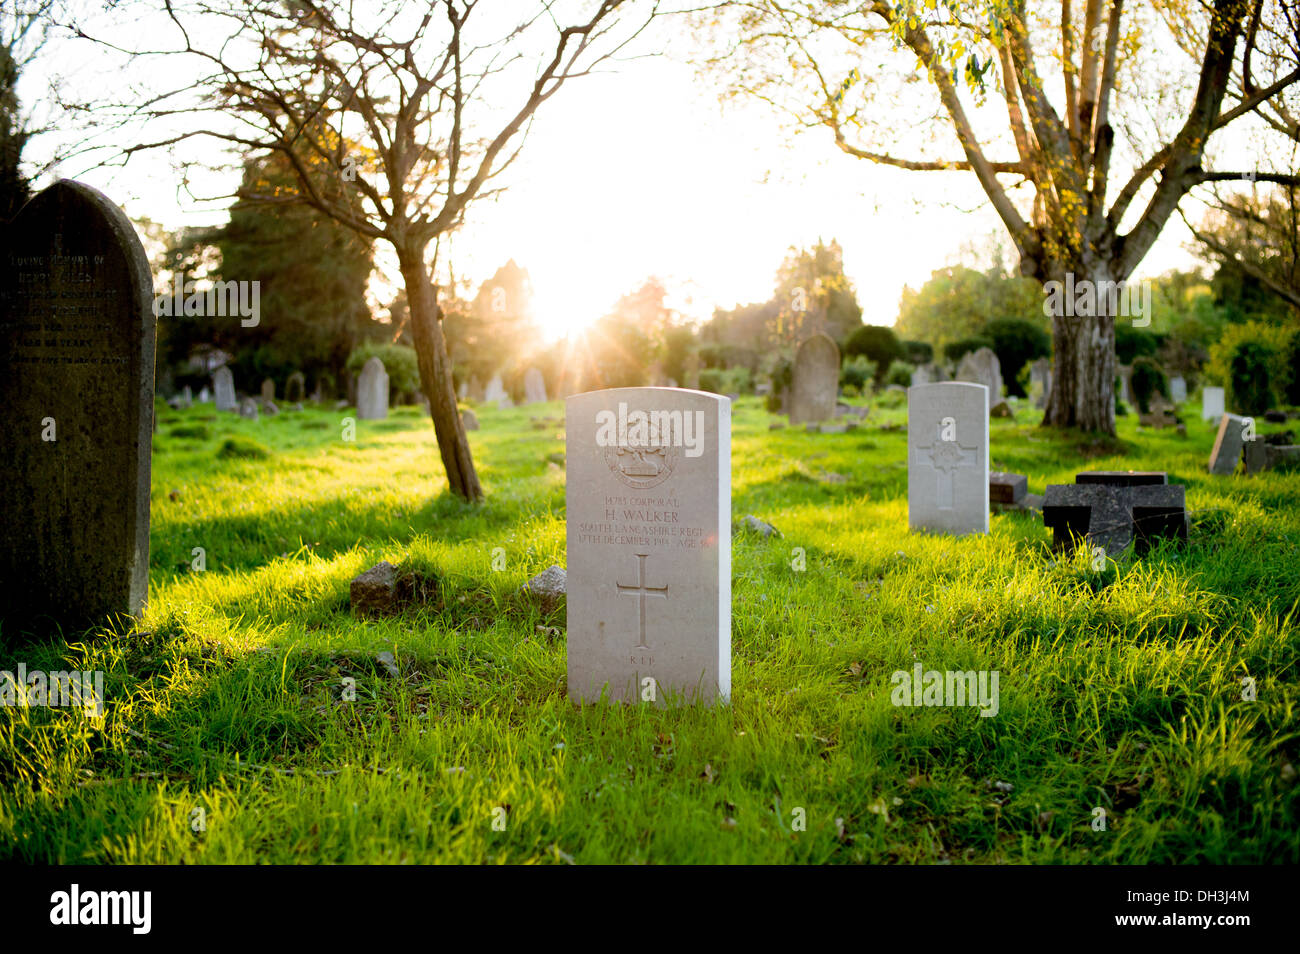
(1120, 689)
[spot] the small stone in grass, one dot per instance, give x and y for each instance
(548, 588)
(763, 529)
(374, 592)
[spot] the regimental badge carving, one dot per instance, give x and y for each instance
(642, 467)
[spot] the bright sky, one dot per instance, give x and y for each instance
(641, 173)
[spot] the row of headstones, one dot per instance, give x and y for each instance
(495, 393)
(372, 393)
(649, 537)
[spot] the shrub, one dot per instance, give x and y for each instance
(1133, 343)
(730, 381)
(954, 351)
(1260, 374)
(857, 372)
(876, 343)
(241, 448)
(1146, 380)
(1250, 378)
(900, 372)
(1017, 342)
(399, 361)
(851, 391)
(918, 352)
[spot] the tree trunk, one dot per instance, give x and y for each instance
(1083, 358)
(436, 379)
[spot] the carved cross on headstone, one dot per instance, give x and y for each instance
(945, 457)
(641, 591)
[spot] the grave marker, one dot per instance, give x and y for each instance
(223, 386)
(77, 334)
(948, 460)
(816, 380)
(649, 545)
(372, 391)
(1211, 403)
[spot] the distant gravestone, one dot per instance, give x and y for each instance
(469, 419)
(928, 374)
(1227, 444)
(268, 390)
(1040, 382)
(77, 334)
(816, 380)
(534, 387)
(496, 393)
(1212, 406)
(948, 463)
(187, 396)
(1005, 488)
(372, 391)
(223, 386)
(294, 388)
(1125, 374)
(649, 545)
(248, 409)
(204, 396)
(1178, 389)
(982, 367)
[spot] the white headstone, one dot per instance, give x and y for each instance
(372, 391)
(1211, 404)
(223, 385)
(1178, 389)
(982, 367)
(649, 545)
(1125, 372)
(948, 457)
(534, 387)
(204, 396)
(496, 392)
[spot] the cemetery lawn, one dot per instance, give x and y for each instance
(1120, 690)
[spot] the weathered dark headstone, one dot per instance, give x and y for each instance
(1227, 444)
(1007, 488)
(77, 333)
(1128, 509)
(294, 388)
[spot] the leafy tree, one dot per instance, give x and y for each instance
(312, 273)
(1132, 343)
(1065, 77)
(958, 302)
(814, 295)
(23, 32)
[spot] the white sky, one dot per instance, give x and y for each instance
(641, 173)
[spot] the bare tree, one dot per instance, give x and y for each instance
(416, 107)
(880, 75)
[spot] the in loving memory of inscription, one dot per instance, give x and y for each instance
(67, 327)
